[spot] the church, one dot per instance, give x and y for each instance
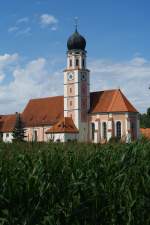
(78, 115)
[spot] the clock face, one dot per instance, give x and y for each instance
(83, 76)
(70, 76)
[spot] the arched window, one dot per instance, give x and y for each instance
(104, 130)
(77, 62)
(118, 129)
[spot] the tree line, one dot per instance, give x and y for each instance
(145, 119)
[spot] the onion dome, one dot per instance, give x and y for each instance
(76, 42)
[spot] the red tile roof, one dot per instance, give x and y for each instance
(7, 123)
(145, 132)
(44, 111)
(48, 111)
(64, 125)
(110, 101)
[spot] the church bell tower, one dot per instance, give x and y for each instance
(77, 84)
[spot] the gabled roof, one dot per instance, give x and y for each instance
(64, 125)
(48, 111)
(43, 111)
(7, 123)
(145, 132)
(110, 101)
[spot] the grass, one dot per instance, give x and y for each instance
(75, 184)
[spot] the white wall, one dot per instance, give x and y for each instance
(62, 137)
(41, 133)
(55, 137)
(7, 137)
(71, 137)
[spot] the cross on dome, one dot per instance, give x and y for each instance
(76, 23)
(76, 41)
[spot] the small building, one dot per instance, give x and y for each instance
(63, 131)
(7, 124)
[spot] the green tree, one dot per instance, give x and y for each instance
(145, 119)
(148, 112)
(19, 130)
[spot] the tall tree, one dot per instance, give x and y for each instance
(19, 130)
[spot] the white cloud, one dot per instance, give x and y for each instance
(48, 20)
(2, 76)
(138, 61)
(7, 58)
(54, 28)
(132, 77)
(6, 63)
(21, 27)
(22, 20)
(43, 77)
(25, 32)
(33, 80)
(13, 29)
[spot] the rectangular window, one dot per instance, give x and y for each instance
(118, 129)
(70, 90)
(104, 129)
(70, 103)
(7, 135)
(77, 62)
(133, 131)
(93, 130)
(70, 63)
(83, 64)
(35, 135)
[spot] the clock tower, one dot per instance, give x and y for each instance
(77, 84)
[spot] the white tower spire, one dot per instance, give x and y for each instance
(76, 84)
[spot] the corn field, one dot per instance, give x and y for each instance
(75, 184)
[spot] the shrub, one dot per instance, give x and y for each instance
(114, 140)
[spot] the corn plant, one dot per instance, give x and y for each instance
(75, 184)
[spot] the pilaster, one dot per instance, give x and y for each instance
(109, 127)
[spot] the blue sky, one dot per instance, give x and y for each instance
(33, 47)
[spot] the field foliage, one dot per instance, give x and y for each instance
(75, 184)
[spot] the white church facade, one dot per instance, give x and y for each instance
(79, 114)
